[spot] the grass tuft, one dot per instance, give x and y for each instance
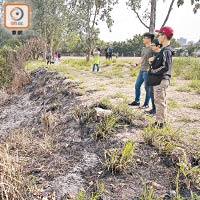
(119, 159)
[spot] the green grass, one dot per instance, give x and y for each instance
(195, 84)
(134, 71)
(173, 104)
(187, 119)
(106, 127)
(186, 68)
(71, 76)
(119, 159)
(108, 62)
(114, 60)
(100, 89)
(104, 103)
(116, 95)
(149, 194)
(165, 139)
(184, 89)
(173, 83)
(31, 65)
(119, 65)
(196, 106)
(99, 193)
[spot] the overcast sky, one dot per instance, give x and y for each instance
(184, 22)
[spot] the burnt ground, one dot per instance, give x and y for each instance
(71, 158)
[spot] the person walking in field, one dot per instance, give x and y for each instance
(159, 75)
(106, 53)
(58, 58)
(143, 74)
(156, 48)
(96, 55)
(48, 58)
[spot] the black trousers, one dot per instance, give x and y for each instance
(48, 62)
(151, 94)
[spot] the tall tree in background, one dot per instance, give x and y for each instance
(88, 14)
(148, 18)
(49, 20)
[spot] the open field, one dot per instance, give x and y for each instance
(73, 154)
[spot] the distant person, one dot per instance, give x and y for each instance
(156, 48)
(48, 58)
(106, 53)
(117, 54)
(160, 74)
(57, 58)
(143, 74)
(96, 55)
(110, 52)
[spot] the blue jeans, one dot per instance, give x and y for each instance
(94, 67)
(142, 77)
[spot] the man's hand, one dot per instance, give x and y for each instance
(134, 65)
(151, 60)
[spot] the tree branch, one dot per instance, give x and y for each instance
(140, 19)
(169, 11)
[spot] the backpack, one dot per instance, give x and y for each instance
(59, 55)
(47, 56)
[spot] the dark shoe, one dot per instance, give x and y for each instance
(150, 112)
(144, 106)
(158, 125)
(134, 103)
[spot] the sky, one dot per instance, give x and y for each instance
(184, 22)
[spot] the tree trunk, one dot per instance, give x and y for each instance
(153, 16)
(90, 48)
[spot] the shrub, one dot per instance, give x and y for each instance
(12, 73)
(33, 49)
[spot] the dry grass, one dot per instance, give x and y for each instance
(13, 74)
(18, 156)
(13, 179)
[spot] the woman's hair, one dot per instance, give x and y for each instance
(149, 35)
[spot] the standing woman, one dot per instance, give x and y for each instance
(96, 55)
(57, 58)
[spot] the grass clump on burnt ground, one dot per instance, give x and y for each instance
(165, 145)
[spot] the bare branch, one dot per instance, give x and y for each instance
(140, 19)
(169, 11)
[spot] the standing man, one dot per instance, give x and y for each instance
(160, 74)
(143, 74)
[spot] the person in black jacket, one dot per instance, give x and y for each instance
(156, 47)
(160, 73)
